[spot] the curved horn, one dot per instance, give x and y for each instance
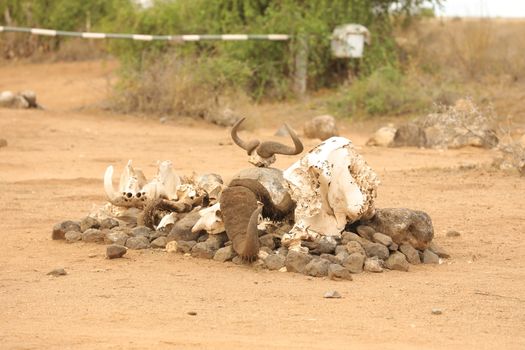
(247, 146)
(113, 196)
(250, 247)
(269, 148)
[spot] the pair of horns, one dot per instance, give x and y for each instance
(268, 148)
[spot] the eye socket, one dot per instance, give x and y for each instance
(139, 194)
(129, 195)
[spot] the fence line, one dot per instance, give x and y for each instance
(145, 37)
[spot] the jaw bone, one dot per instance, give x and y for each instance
(134, 190)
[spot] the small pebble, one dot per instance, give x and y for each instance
(436, 312)
(453, 234)
(332, 294)
(192, 313)
(57, 272)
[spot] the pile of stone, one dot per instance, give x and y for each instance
(461, 125)
(22, 100)
(392, 240)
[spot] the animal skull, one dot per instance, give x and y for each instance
(332, 185)
(263, 154)
(134, 190)
(210, 221)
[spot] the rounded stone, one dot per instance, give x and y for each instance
(89, 222)
(73, 236)
(337, 272)
(397, 261)
(115, 251)
(354, 263)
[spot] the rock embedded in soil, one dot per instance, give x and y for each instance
(57, 272)
(385, 240)
(60, 229)
(137, 243)
(376, 249)
(93, 235)
(404, 226)
(429, 257)
(337, 272)
(332, 294)
(321, 127)
(296, 261)
(411, 253)
(397, 261)
(159, 242)
(275, 261)
(438, 250)
(317, 267)
(3, 143)
(409, 135)
(224, 254)
(108, 224)
(115, 251)
(89, 222)
(203, 250)
(373, 265)
(436, 311)
(453, 234)
(354, 263)
(73, 236)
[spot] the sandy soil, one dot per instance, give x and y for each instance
(52, 171)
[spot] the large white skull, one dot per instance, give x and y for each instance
(332, 185)
(210, 220)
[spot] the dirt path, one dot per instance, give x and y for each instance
(52, 170)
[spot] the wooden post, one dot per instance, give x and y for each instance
(301, 66)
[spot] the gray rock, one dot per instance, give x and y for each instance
(373, 265)
(321, 127)
(350, 236)
(203, 250)
(217, 241)
(137, 243)
(411, 253)
(340, 257)
(203, 237)
(89, 222)
(439, 251)
(226, 117)
(181, 231)
(429, 257)
(108, 223)
(141, 231)
(385, 240)
(340, 249)
(337, 272)
(116, 237)
(297, 261)
(354, 263)
(317, 268)
(186, 246)
(326, 245)
(267, 241)
(159, 242)
(3, 143)
(393, 247)
(115, 251)
(376, 249)
(282, 251)
(60, 229)
(224, 254)
(397, 261)
(274, 261)
(453, 234)
(93, 235)
(409, 135)
(365, 232)
(355, 247)
(266, 250)
(57, 272)
(332, 294)
(404, 226)
(73, 236)
(159, 233)
(332, 258)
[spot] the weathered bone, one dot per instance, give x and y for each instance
(265, 152)
(210, 221)
(133, 189)
(332, 185)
